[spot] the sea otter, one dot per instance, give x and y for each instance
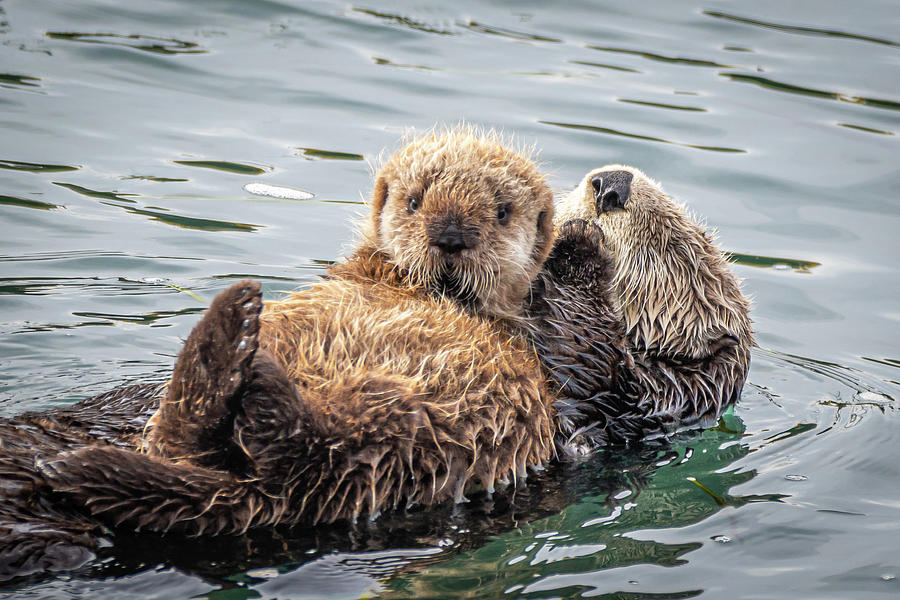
(400, 379)
(661, 345)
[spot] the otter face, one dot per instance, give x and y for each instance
(466, 217)
(631, 209)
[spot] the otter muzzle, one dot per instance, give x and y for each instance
(611, 190)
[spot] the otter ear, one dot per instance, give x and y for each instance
(379, 195)
(545, 233)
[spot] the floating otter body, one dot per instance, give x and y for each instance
(662, 345)
(401, 379)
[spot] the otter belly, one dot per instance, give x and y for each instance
(411, 399)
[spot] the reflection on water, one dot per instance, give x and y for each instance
(152, 154)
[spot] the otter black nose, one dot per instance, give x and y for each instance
(611, 190)
(450, 240)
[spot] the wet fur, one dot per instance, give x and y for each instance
(684, 320)
(368, 391)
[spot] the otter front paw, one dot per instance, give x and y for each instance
(579, 254)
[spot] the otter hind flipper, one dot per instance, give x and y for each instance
(122, 488)
(196, 418)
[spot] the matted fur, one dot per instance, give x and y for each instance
(373, 389)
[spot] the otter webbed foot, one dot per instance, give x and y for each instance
(196, 418)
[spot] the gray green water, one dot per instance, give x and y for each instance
(129, 130)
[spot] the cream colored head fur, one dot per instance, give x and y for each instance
(492, 198)
(677, 291)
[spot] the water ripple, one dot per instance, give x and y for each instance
(221, 165)
(15, 165)
(662, 105)
(27, 203)
(8, 79)
(588, 63)
(790, 88)
(147, 43)
(405, 21)
(96, 193)
(637, 136)
(804, 30)
(680, 60)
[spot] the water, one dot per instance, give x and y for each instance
(128, 132)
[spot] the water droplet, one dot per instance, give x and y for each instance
(242, 345)
(722, 539)
(796, 477)
(246, 323)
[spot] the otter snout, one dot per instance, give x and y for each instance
(611, 190)
(452, 237)
(450, 240)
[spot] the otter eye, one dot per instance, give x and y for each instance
(503, 212)
(412, 203)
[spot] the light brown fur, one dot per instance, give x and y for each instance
(407, 393)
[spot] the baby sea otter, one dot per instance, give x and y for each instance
(400, 379)
(662, 340)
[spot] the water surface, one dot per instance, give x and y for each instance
(131, 133)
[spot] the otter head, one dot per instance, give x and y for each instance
(466, 217)
(678, 293)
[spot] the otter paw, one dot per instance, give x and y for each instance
(217, 354)
(579, 254)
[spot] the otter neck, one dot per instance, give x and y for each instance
(680, 300)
